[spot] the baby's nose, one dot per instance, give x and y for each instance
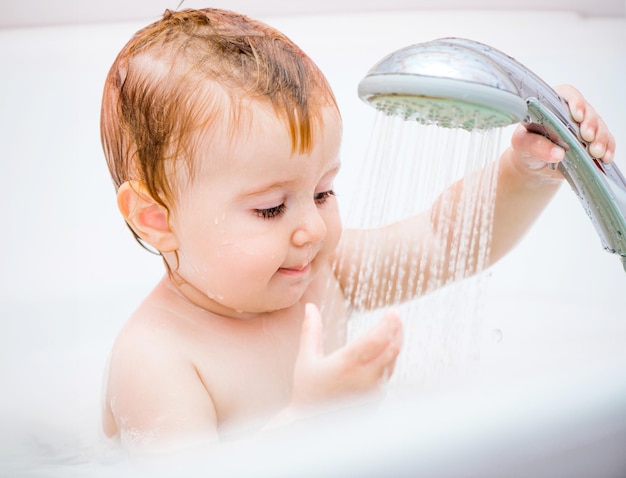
(311, 227)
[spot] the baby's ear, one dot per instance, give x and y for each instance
(146, 217)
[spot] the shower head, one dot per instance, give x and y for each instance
(460, 83)
(457, 83)
(440, 83)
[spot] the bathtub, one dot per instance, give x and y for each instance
(549, 396)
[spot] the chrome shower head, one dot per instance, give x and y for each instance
(460, 83)
(442, 84)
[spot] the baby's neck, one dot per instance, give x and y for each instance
(188, 300)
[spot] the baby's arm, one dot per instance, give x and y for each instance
(358, 369)
(524, 188)
(157, 399)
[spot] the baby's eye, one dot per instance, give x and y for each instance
(271, 212)
(320, 198)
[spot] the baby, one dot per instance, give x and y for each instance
(222, 138)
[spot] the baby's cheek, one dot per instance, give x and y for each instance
(255, 260)
(334, 227)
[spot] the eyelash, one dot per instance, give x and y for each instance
(272, 212)
(276, 211)
(321, 198)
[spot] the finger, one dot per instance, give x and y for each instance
(535, 149)
(593, 130)
(373, 343)
(575, 101)
(368, 346)
(392, 317)
(311, 334)
(603, 144)
(609, 153)
(399, 334)
(385, 362)
(589, 125)
(394, 325)
(391, 326)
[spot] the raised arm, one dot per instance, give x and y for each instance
(525, 185)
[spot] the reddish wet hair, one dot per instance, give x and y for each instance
(189, 71)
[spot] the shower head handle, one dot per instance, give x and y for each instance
(600, 186)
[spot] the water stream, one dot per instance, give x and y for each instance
(407, 168)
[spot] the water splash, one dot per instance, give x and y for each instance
(496, 335)
(408, 167)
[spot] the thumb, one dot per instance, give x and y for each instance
(311, 335)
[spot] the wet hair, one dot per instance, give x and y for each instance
(192, 70)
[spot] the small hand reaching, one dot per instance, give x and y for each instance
(359, 368)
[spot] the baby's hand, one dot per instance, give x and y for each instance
(360, 367)
(535, 152)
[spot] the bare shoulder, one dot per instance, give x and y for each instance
(153, 393)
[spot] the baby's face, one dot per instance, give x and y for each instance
(259, 221)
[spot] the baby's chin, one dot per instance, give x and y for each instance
(253, 311)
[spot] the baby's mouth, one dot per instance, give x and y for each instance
(296, 270)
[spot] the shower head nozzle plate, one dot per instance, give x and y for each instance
(445, 102)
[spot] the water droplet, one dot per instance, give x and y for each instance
(496, 335)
